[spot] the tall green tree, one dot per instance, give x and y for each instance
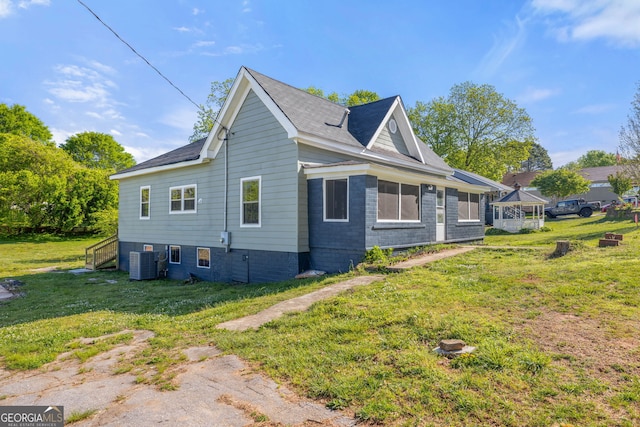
(432, 123)
(560, 183)
(42, 186)
(17, 120)
(476, 129)
(538, 160)
(33, 179)
(98, 151)
(596, 158)
(209, 110)
(630, 139)
(359, 97)
(333, 96)
(620, 183)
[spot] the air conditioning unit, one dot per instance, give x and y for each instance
(142, 266)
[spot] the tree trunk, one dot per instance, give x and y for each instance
(562, 247)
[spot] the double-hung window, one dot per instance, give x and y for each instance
(468, 206)
(145, 198)
(183, 199)
(336, 199)
(250, 198)
(398, 202)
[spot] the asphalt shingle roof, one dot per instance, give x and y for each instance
(473, 178)
(313, 115)
(182, 154)
(521, 196)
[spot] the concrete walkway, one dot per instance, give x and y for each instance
(303, 302)
(300, 303)
(421, 260)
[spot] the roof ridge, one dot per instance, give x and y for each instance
(254, 72)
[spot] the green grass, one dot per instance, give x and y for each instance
(370, 350)
(79, 416)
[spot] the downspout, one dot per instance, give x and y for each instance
(224, 236)
(225, 141)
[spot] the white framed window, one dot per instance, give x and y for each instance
(147, 248)
(145, 202)
(250, 201)
(336, 199)
(204, 257)
(183, 199)
(174, 254)
(468, 206)
(398, 202)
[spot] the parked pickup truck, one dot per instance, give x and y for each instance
(572, 207)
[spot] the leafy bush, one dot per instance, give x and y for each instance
(105, 222)
(376, 255)
(496, 232)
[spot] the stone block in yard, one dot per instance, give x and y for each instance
(452, 345)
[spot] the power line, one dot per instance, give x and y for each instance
(139, 55)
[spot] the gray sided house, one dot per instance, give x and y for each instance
(287, 181)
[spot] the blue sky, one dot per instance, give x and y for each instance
(572, 64)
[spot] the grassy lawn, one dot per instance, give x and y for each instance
(558, 339)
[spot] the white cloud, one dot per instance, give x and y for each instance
(6, 8)
(60, 135)
(115, 132)
(25, 4)
(595, 109)
(142, 154)
(197, 11)
(182, 29)
(106, 69)
(81, 84)
(531, 95)
(76, 91)
(246, 6)
(204, 43)
(508, 41)
(561, 158)
(182, 119)
(612, 20)
(94, 115)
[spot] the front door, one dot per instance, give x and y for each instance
(440, 215)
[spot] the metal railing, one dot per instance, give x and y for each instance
(102, 254)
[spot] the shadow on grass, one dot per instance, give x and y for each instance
(619, 226)
(57, 294)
